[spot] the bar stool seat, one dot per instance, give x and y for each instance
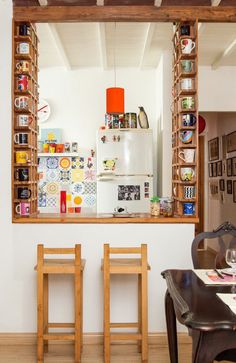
(138, 266)
(45, 267)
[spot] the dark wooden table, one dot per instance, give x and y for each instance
(196, 305)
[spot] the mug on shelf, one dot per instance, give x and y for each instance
(185, 29)
(22, 102)
(22, 82)
(23, 48)
(187, 45)
(186, 137)
(186, 65)
(187, 103)
(23, 66)
(188, 209)
(187, 174)
(24, 193)
(22, 174)
(23, 209)
(187, 155)
(21, 138)
(186, 84)
(24, 30)
(189, 119)
(189, 191)
(22, 157)
(24, 120)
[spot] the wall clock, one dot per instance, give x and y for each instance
(43, 111)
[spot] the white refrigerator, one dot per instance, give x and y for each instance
(124, 170)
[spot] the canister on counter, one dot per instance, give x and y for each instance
(131, 120)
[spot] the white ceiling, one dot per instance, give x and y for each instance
(79, 45)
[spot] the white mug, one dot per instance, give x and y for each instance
(187, 174)
(21, 102)
(187, 45)
(22, 48)
(24, 120)
(187, 155)
(186, 84)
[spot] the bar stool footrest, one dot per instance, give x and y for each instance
(59, 336)
(125, 336)
(61, 325)
(124, 325)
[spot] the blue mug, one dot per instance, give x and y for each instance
(188, 209)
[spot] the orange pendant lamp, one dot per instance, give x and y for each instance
(115, 100)
(115, 96)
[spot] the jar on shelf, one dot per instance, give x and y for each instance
(155, 206)
(168, 208)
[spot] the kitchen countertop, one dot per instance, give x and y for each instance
(102, 218)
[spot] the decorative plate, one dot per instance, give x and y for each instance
(65, 163)
(52, 162)
(52, 188)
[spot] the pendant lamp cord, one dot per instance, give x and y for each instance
(114, 54)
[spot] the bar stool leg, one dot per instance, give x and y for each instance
(139, 312)
(81, 307)
(40, 326)
(77, 314)
(144, 318)
(106, 313)
(45, 310)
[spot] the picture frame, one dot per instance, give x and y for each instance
(231, 142)
(223, 146)
(213, 149)
(229, 167)
(214, 170)
(219, 168)
(210, 170)
(222, 185)
(234, 191)
(229, 187)
(234, 166)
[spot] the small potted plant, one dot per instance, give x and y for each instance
(155, 206)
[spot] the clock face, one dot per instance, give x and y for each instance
(43, 110)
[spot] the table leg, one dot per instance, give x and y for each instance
(171, 328)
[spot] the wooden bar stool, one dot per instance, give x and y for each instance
(137, 266)
(45, 267)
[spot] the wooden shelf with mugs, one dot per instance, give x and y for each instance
(185, 119)
(25, 123)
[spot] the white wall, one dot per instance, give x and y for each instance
(169, 245)
(217, 89)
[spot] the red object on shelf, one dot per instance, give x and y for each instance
(63, 201)
(201, 124)
(115, 100)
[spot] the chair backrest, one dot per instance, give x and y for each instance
(225, 235)
(42, 251)
(142, 251)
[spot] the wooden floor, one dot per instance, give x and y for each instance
(91, 354)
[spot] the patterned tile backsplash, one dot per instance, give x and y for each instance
(74, 174)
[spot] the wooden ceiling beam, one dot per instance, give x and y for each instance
(53, 14)
(229, 50)
(215, 2)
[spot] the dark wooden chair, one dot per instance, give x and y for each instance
(225, 235)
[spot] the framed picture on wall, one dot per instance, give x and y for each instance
(222, 185)
(219, 168)
(229, 167)
(229, 187)
(234, 166)
(213, 149)
(234, 191)
(210, 170)
(214, 169)
(223, 146)
(231, 142)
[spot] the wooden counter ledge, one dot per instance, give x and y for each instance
(102, 218)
